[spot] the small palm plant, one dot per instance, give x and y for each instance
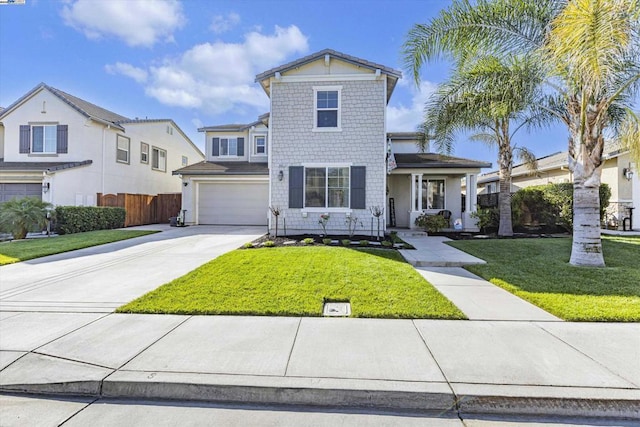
(19, 216)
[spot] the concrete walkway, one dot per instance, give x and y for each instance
(500, 365)
(441, 265)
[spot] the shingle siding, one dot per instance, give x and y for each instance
(360, 143)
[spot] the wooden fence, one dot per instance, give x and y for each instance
(144, 208)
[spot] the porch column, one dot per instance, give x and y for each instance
(420, 193)
(413, 192)
(471, 202)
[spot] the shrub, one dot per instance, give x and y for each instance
(326, 241)
(269, 244)
(387, 244)
(308, 241)
(248, 245)
(364, 243)
(486, 218)
(78, 219)
(20, 216)
(550, 204)
(346, 242)
(431, 223)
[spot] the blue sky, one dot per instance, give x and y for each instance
(195, 61)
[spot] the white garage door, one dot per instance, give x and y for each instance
(232, 203)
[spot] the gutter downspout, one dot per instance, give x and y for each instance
(104, 153)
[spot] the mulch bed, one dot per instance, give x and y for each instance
(336, 240)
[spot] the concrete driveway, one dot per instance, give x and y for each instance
(102, 278)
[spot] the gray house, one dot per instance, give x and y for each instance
(323, 149)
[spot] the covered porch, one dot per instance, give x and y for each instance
(430, 183)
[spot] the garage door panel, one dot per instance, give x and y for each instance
(10, 191)
(233, 203)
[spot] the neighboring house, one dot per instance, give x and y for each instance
(66, 150)
(618, 171)
(322, 149)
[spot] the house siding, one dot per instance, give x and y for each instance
(361, 142)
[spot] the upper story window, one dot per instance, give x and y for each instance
(43, 139)
(185, 160)
(327, 108)
(122, 149)
(144, 152)
(227, 147)
(261, 145)
(158, 159)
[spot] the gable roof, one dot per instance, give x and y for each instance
(86, 108)
(393, 74)
(612, 148)
(237, 127)
(224, 168)
(435, 160)
(41, 166)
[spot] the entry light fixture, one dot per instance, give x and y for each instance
(45, 187)
(628, 173)
(280, 175)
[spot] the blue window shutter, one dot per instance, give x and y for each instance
(25, 139)
(62, 139)
(358, 186)
(296, 186)
(240, 146)
(215, 147)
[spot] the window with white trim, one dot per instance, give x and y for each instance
(158, 159)
(144, 153)
(44, 139)
(228, 146)
(326, 187)
(327, 107)
(261, 145)
(122, 149)
(185, 160)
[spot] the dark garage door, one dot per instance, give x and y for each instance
(12, 191)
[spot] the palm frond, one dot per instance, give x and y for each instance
(527, 158)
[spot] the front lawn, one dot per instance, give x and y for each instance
(295, 281)
(21, 250)
(538, 271)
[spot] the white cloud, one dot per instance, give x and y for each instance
(137, 74)
(406, 118)
(136, 22)
(222, 24)
(219, 77)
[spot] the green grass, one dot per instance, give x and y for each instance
(296, 281)
(22, 250)
(538, 271)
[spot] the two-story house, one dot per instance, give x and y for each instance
(322, 149)
(66, 150)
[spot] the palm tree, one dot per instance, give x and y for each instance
(19, 216)
(591, 54)
(487, 97)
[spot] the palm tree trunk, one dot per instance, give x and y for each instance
(585, 162)
(505, 159)
(586, 249)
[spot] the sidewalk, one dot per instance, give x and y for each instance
(512, 365)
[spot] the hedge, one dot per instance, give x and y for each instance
(78, 219)
(550, 204)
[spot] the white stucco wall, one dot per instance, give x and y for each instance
(90, 140)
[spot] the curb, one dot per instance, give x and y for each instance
(405, 396)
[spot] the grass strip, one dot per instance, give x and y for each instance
(296, 281)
